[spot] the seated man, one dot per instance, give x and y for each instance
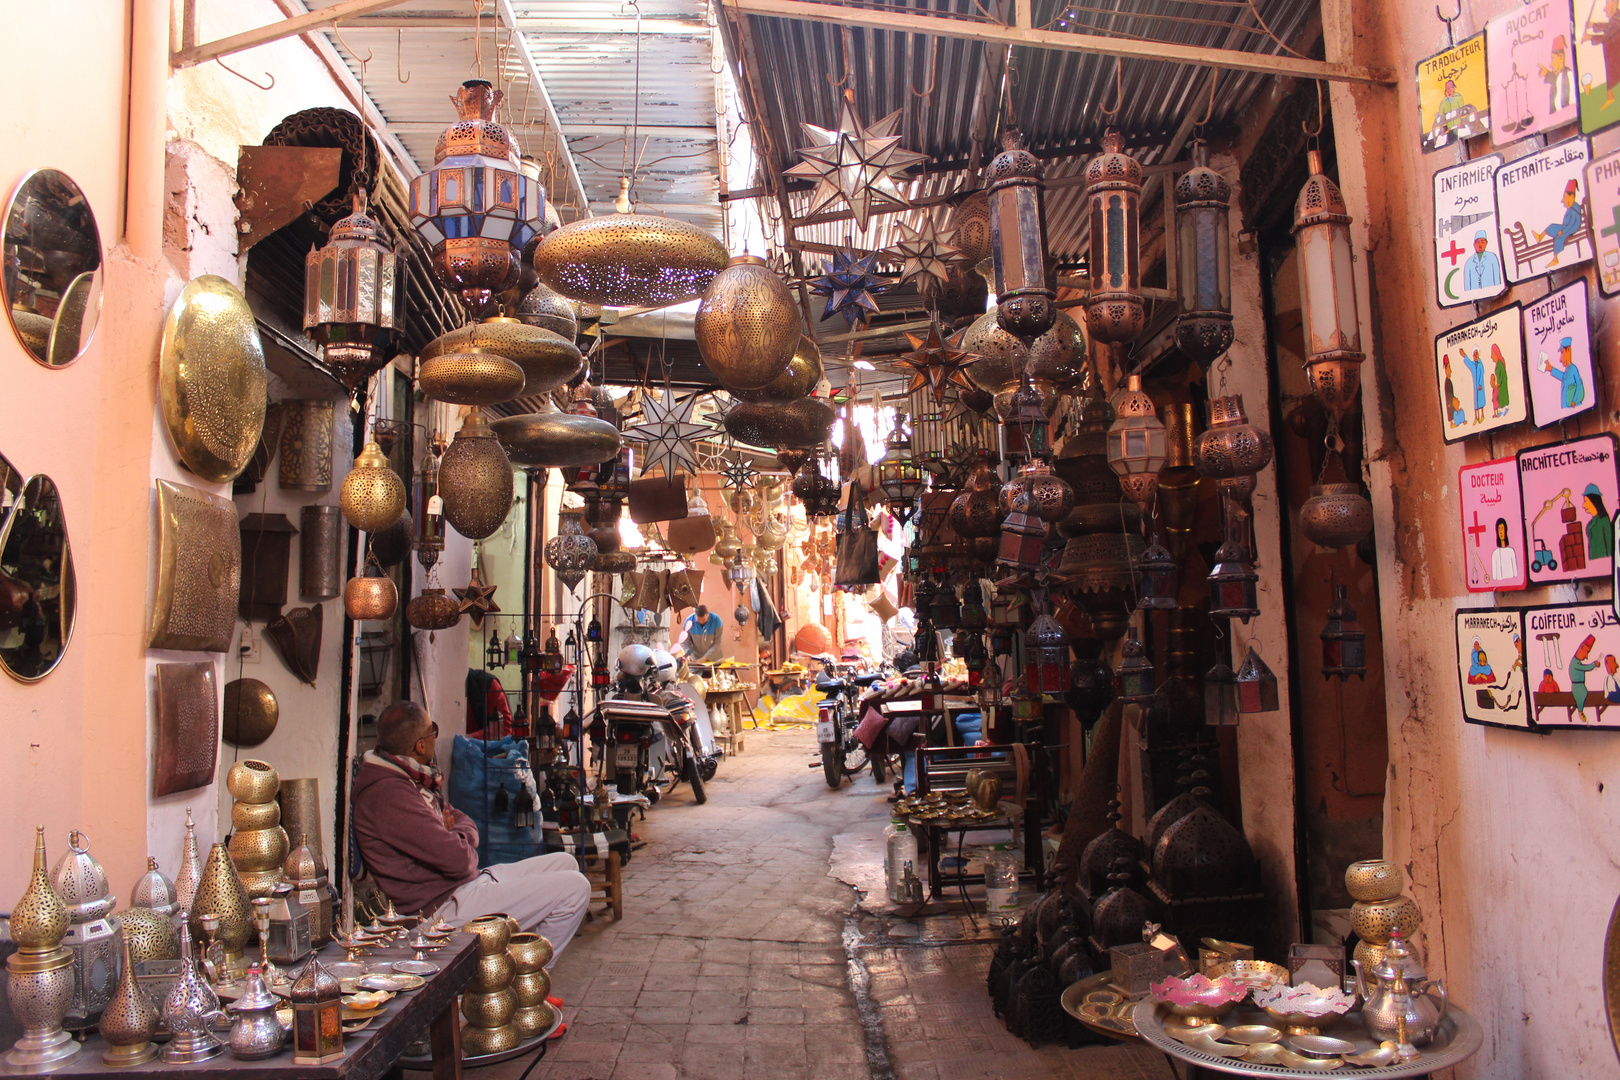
(424, 853)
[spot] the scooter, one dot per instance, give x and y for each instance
(841, 753)
(648, 731)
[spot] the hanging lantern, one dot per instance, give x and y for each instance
(475, 208)
(1046, 655)
(1327, 291)
(629, 260)
(470, 376)
(1050, 496)
(551, 655)
(899, 476)
(1220, 696)
(1344, 642)
(973, 617)
(600, 678)
(739, 572)
(372, 595)
(1023, 533)
(373, 495)
(943, 608)
(350, 299)
(1134, 674)
(1256, 685)
(570, 552)
(1027, 416)
(432, 610)
(1204, 264)
(747, 326)
(1232, 447)
(494, 652)
(429, 512)
(1136, 443)
(593, 630)
(475, 480)
(1158, 569)
(1233, 584)
(1017, 192)
(1336, 515)
(1114, 306)
(514, 647)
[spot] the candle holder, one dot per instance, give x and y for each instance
(261, 923)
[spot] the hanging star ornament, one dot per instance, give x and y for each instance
(739, 475)
(667, 432)
(477, 599)
(861, 165)
(926, 253)
(933, 363)
(851, 287)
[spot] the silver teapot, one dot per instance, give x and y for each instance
(1401, 1000)
(256, 1033)
(190, 1010)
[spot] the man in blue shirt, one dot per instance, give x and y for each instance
(1568, 375)
(1565, 230)
(1483, 269)
(702, 640)
(1476, 367)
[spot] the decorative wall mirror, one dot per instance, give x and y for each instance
(36, 582)
(52, 267)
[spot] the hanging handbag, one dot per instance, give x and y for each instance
(658, 498)
(692, 533)
(649, 590)
(857, 545)
(680, 591)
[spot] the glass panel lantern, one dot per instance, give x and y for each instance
(1046, 656)
(900, 477)
(1017, 188)
(1256, 685)
(1220, 696)
(1134, 674)
(1137, 443)
(429, 512)
(1115, 311)
(1204, 260)
(1344, 642)
(1233, 584)
(495, 652)
(1327, 291)
(317, 1003)
(1026, 417)
(551, 656)
(1159, 572)
(350, 299)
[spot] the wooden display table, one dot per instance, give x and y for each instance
(732, 705)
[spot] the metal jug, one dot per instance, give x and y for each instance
(1397, 996)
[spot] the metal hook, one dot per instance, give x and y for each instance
(1311, 132)
(1119, 88)
(847, 40)
(399, 56)
(1209, 107)
(244, 78)
(1451, 38)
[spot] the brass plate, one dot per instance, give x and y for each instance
(199, 571)
(211, 377)
(251, 712)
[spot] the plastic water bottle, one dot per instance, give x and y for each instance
(1001, 885)
(900, 851)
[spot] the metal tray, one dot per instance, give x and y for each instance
(1459, 1038)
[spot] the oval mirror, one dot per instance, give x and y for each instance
(36, 582)
(52, 267)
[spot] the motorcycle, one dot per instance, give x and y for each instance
(649, 736)
(841, 753)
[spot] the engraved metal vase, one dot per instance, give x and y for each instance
(40, 982)
(129, 1021)
(191, 1006)
(154, 891)
(220, 893)
(191, 863)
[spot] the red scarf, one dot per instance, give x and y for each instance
(429, 779)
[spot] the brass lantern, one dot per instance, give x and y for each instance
(317, 1003)
(372, 595)
(1046, 651)
(1028, 418)
(1327, 291)
(470, 376)
(1233, 584)
(373, 495)
(350, 298)
(1137, 443)
(1135, 673)
(1017, 190)
(475, 480)
(1344, 642)
(1256, 685)
(551, 655)
(1114, 308)
(571, 552)
(1158, 569)
(1220, 696)
(475, 208)
(1204, 260)
(429, 540)
(747, 326)
(1231, 447)
(432, 609)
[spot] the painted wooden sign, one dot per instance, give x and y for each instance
(1480, 369)
(1453, 96)
(1492, 525)
(1603, 193)
(1467, 258)
(1572, 657)
(1490, 667)
(1541, 214)
(1531, 68)
(1558, 349)
(1597, 62)
(1568, 490)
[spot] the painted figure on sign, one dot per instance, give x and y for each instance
(1453, 405)
(1549, 685)
(1559, 77)
(1600, 530)
(1451, 99)
(1476, 368)
(1499, 381)
(1479, 667)
(1573, 390)
(1504, 560)
(1483, 269)
(1579, 665)
(1606, 34)
(1564, 230)
(1611, 679)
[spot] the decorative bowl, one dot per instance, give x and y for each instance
(530, 952)
(1303, 1009)
(252, 781)
(493, 932)
(477, 1041)
(534, 1020)
(1251, 974)
(1373, 879)
(494, 973)
(1374, 920)
(1199, 999)
(489, 1010)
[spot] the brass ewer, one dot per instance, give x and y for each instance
(129, 1021)
(40, 986)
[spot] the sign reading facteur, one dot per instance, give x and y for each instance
(1558, 345)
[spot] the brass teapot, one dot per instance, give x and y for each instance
(1401, 1005)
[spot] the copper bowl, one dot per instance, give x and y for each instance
(1252, 974)
(530, 952)
(251, 817)
(489, 1010)
(258, 849)
(1373, 879)
(493, 932)
(495, 971)
(477, 1041)
(370, 598)
(532, 988)
(1374, 920)
(535, 1020)
(254, 781)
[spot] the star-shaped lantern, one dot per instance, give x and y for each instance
(933, 363)
(859, 164)
(926, 253)
(739, 475)
(667, 432)
(477, 599)
(851, 287)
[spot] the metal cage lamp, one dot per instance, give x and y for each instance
(1134, 675)
(1159, 572)
(1137, 443)
(1204, 260)
(1024, 302)
(1220, 696)
(1344, 642)
(1233, 584)
(1327, 290)
(1256, 685)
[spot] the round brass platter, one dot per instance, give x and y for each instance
(556, 439)
(629, 259)
(250, 712)
(212, 379)
(548, 359)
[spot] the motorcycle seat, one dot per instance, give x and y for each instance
(864, 681)
(831, 686)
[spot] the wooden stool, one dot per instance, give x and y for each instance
(607, 881)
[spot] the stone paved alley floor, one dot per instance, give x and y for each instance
(740, 955)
